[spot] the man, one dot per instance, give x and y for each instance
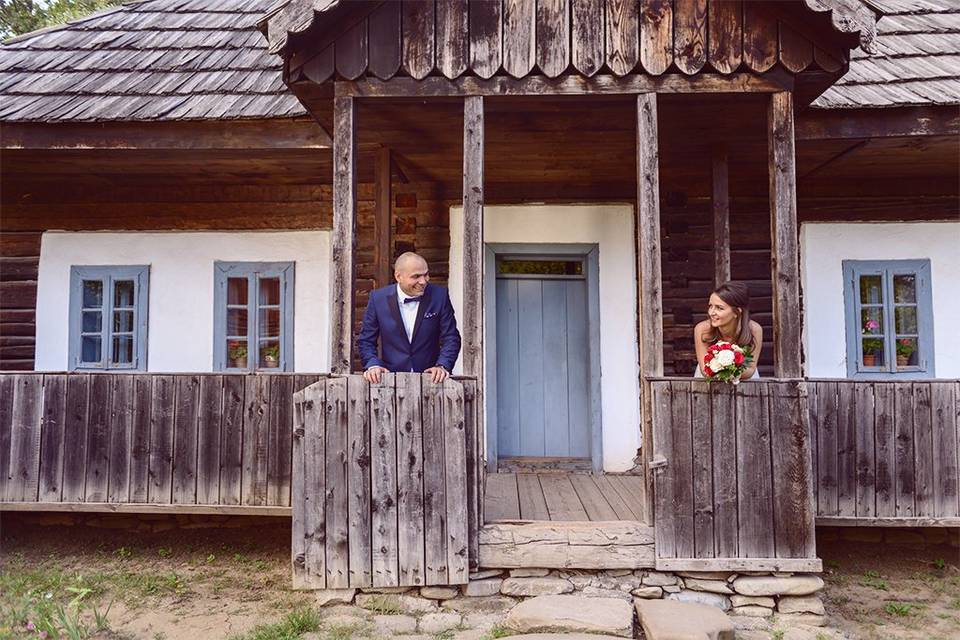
(414, 322)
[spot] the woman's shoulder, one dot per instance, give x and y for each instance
(701, 327)
(755, 328)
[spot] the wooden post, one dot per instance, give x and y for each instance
(344, 233)
(785, 256)
(648, 268)
(721, 217)
(473, 237)
(382, 222)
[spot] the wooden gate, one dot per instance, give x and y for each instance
(733, 483)
(386, 482)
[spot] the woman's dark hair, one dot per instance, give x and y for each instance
(737, 295)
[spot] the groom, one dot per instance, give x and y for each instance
(414, 322)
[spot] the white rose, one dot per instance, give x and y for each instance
(725, 358)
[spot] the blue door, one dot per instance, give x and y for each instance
(543, 386)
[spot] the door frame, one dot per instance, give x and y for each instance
(591, 254)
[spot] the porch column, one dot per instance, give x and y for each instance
(382, 221)
(720, 202)
(344, 234)
(648, 268)
(473, 238)
(785, 256)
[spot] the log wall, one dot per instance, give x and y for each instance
(19, 262)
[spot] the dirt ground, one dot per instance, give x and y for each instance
(221, 583)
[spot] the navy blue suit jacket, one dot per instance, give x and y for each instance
(435, 336)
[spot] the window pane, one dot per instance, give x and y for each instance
(123, 293)
(873, 355)
(906, 319)
(907, 355)
(905, 288)
(236, 291)
(871, 320)
(236, 322)
(269, 323)
(237, 354)
(269, 291)
(122, 350)
(871, 289)
(541, 267)
(270, 354)
(92, 293)
(90, 349)
(123, 321)
(92, 322)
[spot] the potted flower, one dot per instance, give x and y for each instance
(237, 353)
(271, 356)
(871, 346)
(905, 349)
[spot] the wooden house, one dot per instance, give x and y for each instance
(198, 197)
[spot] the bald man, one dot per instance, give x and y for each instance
(414, 323)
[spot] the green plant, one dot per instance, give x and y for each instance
(496, 632)
(295, 624)
(237, 351)
(940, 564)
(954, 604)
(273, 351)
(900, 609)
(777, 634)
(383, 604)
(165, 552)
(873, 580)
(123, 553)
(905, 347)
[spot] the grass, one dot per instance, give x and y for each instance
(873, 580)
(291, 627)
(496, 632)
(901, 609)
(383, 604)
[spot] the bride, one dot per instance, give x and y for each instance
(728, 320)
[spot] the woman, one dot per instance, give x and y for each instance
(729, 321)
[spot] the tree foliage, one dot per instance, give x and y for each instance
(23, 16)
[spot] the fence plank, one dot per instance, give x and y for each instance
(793, 516)
(885, 446)
(754, 481)
(253, 481)
(665, 521)
(161, 439)
(337, 518)
(812, 392)
(683, 468)
(140, 438)
(474, 468)
(54, 424)
(944, 414)
(924, 452)
(827, 454)
(395, 448)
(725, 472)
(208, 439)
(702, 466)
(185, 418)
(314, 481)
(23, 480)
(903, 425)
(865, 435)
(98, 439)
(455, 448)
(280, 440)
(298, 537)
(231, 440)
(434, 497)
(121, 431)
(7, 383)
(846, 450)
(358, 480)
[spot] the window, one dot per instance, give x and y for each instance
(108, 317)
(253, 316)
(889, 318)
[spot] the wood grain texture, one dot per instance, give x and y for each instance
(98, 440)
(434, 486)
(231, 440)
(393, 476)
(453, 37)
(759, 36)
(384, 33)
(720, 202)
(22, 483)
(455, 479)
(702, 462)
(622, 21)
(256, 403)
(343, 240)
(409, 479)
(336, 489)
(121, 428)
(359, 481)
(725, 28)
(186, 415)
(553, 36)
(473, 172)
(656, 35)
(52, 434)
(351, 50)
(587, 43)
(690, 35)
(519, 37)
(486, 38)
(418, 37)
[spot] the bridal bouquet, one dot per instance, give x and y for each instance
(725, 362)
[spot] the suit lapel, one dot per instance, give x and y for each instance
(394, 303)
(421, 309)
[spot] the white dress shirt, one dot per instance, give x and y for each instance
(408, 312)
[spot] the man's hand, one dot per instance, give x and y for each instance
(373, 374)
(437, 374)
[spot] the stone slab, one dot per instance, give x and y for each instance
(571, 613)
(717, 600)
(801, 604)
(670, 620)
(535, 586)
(774, 586)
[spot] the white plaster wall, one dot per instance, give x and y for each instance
(611, 227)
(180, 322)
(823, 247)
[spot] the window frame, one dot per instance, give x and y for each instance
(252, 271)
(887, 269)
(108, 274)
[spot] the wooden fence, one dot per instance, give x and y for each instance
(732, 476)
(886, 453)
(137, 442)
(388, 482)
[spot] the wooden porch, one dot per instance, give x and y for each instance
(564, 497)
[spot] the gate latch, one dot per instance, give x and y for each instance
(657, 462)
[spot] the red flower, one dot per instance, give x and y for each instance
(737, 358)
(709, 372)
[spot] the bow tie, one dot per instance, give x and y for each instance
(417, 299)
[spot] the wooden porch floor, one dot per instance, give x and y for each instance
(563, 496)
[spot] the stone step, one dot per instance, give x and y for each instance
(673, 620)
(572, 613)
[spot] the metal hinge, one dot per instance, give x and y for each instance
(657, 462)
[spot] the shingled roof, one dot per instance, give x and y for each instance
(916, 59)
(147, 60)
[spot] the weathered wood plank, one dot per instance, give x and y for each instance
(501, 500)
(620, 506)
(7, 385)
(827, 453)
(418, 38)
(812, 392)
(52, 434)
(298, 537)
(662, 427)
(140, 437)
(903, 425)
(486, 38)
(944, 411)
(924, 451)
(519, 37)
(567, 545)
(766, 565)
(622, 35)
(553, 36)
(475, 470)
(562, 500)
(337, 505)
(473, 149)
(682, 461)
(22, 483)
(455, 470)
(434, 495)
(656, 35)
(690, 35)
(533, 506)
(314, 483)
(208, 439)
(231, 440)
(453, 44)
(796, 52)
(358, 481)
(885, 447)
(793, 508)
(702, 461)
(185, 419)
(98, 439)
(725, 471)
(720, 202)
(864, 429)
(144, 507)
(121, 429)
(256, 403)
(343, 236)
(846, 450)
(351, 56)
(162, 399)
(785, 251)
(586, 45)
(759, 37)
(396, 492)
(384, 40)
(279, 440)
(754, 473)
(725, 29)
(592, 499)
(632, 490)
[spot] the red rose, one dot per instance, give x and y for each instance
(738, 359)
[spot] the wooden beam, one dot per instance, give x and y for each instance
(567, 85)
(814, 565)
(473, 147)
(344, 234)
(898, 122)
(880, 521)
(233, 134)
(382, 221)
(784, 249)
(721, 217)
(136, 507)
(650, 336)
